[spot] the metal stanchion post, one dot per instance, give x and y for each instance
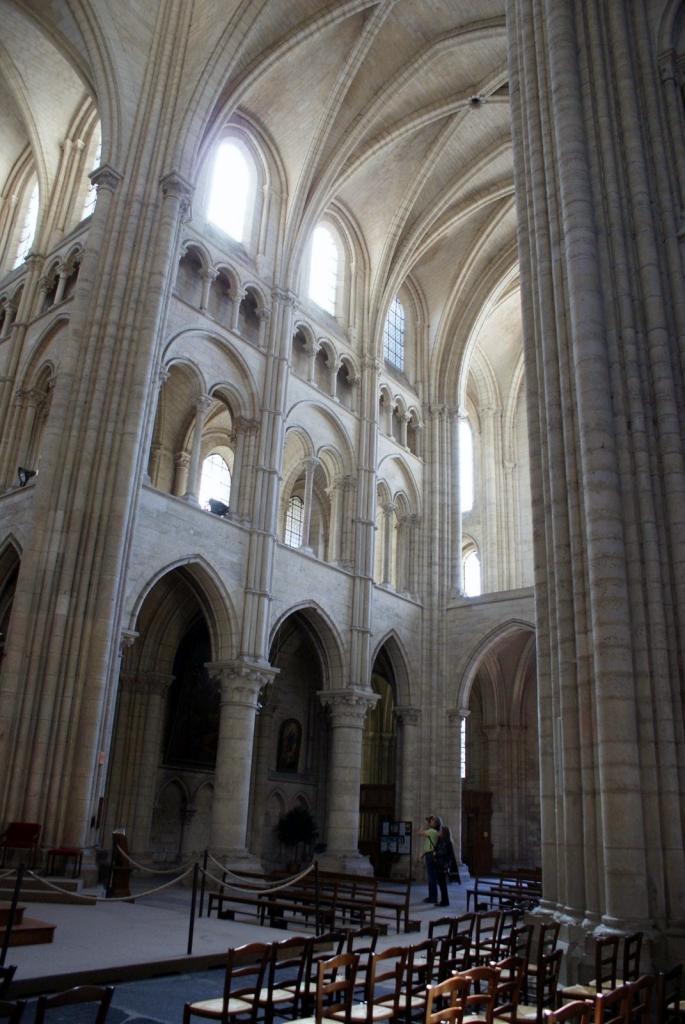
(203, 883)
(191, 925)
(316, 897)
(12, 914)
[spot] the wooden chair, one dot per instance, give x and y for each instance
(243, 982)
(508, 989)
(613, 1007)
(454, 956)
(440, 927)
(20, 835)
(335, 988)
(547, 939)
(640, 999)
(486, 937)
(321, 948)
(101, 996)
(545, 993)
(579, 1010)
(7, 972)
(362, 941)
(383, 990)
(418, 975)
(480, 1002)
(446, 1001)
(518, 944)
(606, 961)
(670, 1009)
(283, 987)
(12, 1011)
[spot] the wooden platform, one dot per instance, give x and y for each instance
(34, 890)
(27, 931)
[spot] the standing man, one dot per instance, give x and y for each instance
(430, 840)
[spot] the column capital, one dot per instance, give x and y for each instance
(245, 425)
(241, 681)
(285, 296)
(176, 186)
(181, 460)
(458, 714)
(407, 715)
(348, 707)
(127, 639)
(203, 403)
(106, 177)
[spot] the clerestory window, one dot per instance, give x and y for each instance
(393, 334)
(324, 269)
(28, 228)
(471, 570)
(92, 193)
(231, 191)
(215, 482)
(294, 522)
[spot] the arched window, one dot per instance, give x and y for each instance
(324, 269)
(28, 228)
(215, 482)
(92, 193)
(294, 522)
(393, 335)
(230, 192)
(465, 465)
(471, 570)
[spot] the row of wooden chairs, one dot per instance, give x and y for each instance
(99, 996)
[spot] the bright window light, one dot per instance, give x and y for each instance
(28, 229)
(323, 273)
(215, 481)
(472, 574)
(463, 748)
(230, 191)
(465, 466)
(294, 522)
(92, 194)
(393, 335)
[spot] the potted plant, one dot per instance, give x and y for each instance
(297, 828)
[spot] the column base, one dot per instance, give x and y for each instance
(350, 863)
(235, 860)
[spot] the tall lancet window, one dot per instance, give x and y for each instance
(393, 335)
(230, 191)
(465, 465)
(28, 228)
(294, 521)
(324, 269)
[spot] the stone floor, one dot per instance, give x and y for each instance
(115, 942)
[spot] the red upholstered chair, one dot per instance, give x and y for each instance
(21, 835)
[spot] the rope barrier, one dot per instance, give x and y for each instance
(152, 871)
(254, 890)
(110, 899)
(286, 882)
(6, 874)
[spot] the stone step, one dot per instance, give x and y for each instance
(37, 893)
(31, 932)
(5, 906)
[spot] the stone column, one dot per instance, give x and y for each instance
(264, 760)
(599, 215)
(155, 687)
(389, 510)
(408, 720)
(181, 467)
(349, 489)
(455, 503)
(235, 319)
(64, 272)
(333, 381)
(242, 482)
(311, 349)
(208, 275)
(404, 422)
(335, 495)
(264, 316)
(310, 465)
(9, 318)
(202, 407)
(348, 710)
(240, 684)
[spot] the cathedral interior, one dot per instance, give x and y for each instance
(342, 447)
